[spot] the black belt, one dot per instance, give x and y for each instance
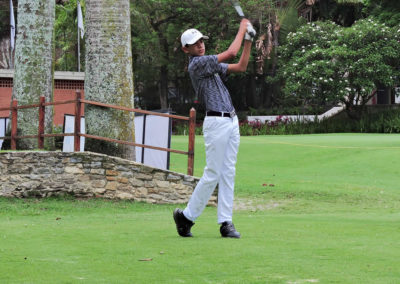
(222, 114)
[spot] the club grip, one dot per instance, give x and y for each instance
(251, 32)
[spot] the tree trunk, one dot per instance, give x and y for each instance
(109, 75)
(163, 85)
(163, 88)
(34, 72)
(251, 93)
(6, 55)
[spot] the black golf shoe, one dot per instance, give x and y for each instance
(183, 224)
(228, 230)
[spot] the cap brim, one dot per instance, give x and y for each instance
(196, 39)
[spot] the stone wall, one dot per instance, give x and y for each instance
(87, 174)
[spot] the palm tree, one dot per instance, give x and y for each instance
(274, 18)
(33, 76)
(277, 17)
(109, 75)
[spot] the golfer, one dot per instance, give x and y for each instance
(220, 127)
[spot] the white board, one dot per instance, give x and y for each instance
(150, 130)
(139, 136)
(397, 95)
(155, 131)
(3, 128)
(69, 127)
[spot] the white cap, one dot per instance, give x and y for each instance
(191, 36)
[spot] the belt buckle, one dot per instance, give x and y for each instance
(232, 114)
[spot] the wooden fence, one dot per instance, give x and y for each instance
(78, 101)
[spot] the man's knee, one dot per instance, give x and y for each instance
(210, 176)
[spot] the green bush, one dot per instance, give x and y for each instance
(385, 121)
(182, 128)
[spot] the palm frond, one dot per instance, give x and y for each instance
(288, 15)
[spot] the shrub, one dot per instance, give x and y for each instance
(386, 121)
(182, 128)
(383, 121)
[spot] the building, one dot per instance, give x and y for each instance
(65, 86)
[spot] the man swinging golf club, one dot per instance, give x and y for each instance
(220, 127)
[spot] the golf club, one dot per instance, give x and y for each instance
(239, 10)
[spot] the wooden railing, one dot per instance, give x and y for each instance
(78, 101)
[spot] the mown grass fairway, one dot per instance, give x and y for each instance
(335, 169)
(332, 216)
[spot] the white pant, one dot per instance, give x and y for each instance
(222, 138)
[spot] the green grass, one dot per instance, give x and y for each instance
(332, 216)
(351, 170)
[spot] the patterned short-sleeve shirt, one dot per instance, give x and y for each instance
(206, 75)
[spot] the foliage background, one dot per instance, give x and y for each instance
(160, 76)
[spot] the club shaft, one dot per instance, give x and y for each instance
(237, 7)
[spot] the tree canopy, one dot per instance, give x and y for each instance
(323, 63)
(159, 65)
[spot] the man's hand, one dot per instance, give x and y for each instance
(243, 24)
(251, 32)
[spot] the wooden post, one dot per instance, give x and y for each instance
(77, 129)
(14, 127)
(192, 132)
(42, 100)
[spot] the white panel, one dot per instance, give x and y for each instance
(69, 127)
(397, 95)
(139, 137)
(156, 134)
(3, 128)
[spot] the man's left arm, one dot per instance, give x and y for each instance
(241, 66)
(234, 48)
